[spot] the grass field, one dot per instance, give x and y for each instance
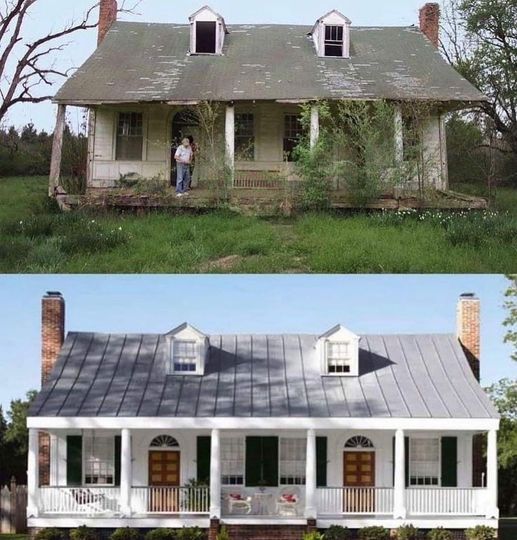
(34, 238)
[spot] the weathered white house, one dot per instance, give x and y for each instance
(143, 78)
(283, 432)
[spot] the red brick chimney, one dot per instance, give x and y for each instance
(468, 329)
(107, 16)
(52, 331)
(430, 22)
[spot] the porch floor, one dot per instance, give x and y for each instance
(260, 201)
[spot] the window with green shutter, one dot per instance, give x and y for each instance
(321, 461)
(74, 460)
(203, 460)
(449, 461)
(261, 461)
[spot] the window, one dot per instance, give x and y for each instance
(424, 462)
(164, 441)
(334, 40)
(293, 131)
(232, 461)
(184, 357)
(206, 33)
(359, 442)
(292, 461)
(130, 140)
(244, 137)
(99, 461)
(338, 357)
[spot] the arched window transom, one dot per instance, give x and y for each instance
(164, 441)
(359, 442)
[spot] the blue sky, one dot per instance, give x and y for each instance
(244, 304)
(52, 14)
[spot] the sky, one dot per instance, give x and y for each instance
(49, 15)
(244, 304)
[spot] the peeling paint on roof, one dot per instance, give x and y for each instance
(401, 376)
(385, 63)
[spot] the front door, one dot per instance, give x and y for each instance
(164, 473)
(359, 474)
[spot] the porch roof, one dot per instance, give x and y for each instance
(139, 62)
(401, 376)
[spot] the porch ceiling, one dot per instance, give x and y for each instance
(150, 63)
(401, 376)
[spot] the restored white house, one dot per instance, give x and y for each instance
(144, 78)
(283, 431)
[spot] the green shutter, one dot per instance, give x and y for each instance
(74, 460)
(321, 461)
(406, 456)
(261, 461)
(203, 460)
(253, 461)
(270, 460)
(449, 461)
(118, 447)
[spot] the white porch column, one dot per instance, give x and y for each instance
(230, 138)
(125, 472)
(57, 150)
(399, 491)
(311, 509)
(491, 475)
(315, 124)
(399, 135)
(54, 460)
(215, 475)
(33, 474)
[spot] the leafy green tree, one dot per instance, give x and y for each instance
(511, 320)
(504, 397)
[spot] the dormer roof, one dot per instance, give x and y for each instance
(218, 16)
(186, 326)
(345, 19)
(336, 329)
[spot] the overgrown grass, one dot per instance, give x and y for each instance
(35, 237)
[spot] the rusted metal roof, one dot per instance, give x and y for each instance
(140, 62)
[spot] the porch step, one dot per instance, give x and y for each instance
(266, 532)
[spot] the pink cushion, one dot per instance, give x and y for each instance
(288, 497)
(236, 496)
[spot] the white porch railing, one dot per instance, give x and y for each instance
(170, 500)
(79, 500)
(335, 501)
(440, 501)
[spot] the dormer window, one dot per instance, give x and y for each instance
(184, 356)
(339, 352)
(334, 40)
(188, 351)
(331, 35)
(207, 33)
(338, 357)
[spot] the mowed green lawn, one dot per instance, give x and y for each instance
(35, 238)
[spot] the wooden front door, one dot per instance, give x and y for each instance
(164, 473)
(359, 476)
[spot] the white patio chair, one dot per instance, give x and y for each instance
(238, 503)
(288, 502)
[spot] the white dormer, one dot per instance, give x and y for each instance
(207, 32)
(188, 351)
(331, 35)
(338, 351)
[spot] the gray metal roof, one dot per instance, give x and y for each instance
(401, 376)
(140, 62)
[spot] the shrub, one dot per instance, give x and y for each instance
(336, 532)
(439, 534)
(407, 532)
(125, 533)
(161, 534)
(223, 534)
(314, 535)
(190, 533)
(481, 532)
(50, 534)
(374, 533)
(84, 533)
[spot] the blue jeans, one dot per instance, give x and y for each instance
(183, 178)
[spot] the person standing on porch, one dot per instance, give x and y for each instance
(183, 159)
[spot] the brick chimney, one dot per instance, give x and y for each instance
(52, 331)
(430, 22)
(107, 16)
(468, 329)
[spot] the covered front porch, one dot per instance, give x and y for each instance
(333, 475)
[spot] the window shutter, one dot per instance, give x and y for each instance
(74, 460)
(406, 456)
(449, 461)
(321, 461)
(118, 447)
(261, 461)
(203, 460)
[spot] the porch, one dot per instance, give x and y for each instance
(140, 477)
